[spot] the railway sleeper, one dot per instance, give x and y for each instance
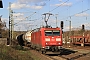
(75, 57)
(78, 56)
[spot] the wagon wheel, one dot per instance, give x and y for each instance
(25, 43)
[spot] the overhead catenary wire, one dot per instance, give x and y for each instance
(54, 8)
(25, 18)
(61, 5)
(49, 5)
(82, 5)
(88, 3)
(77, 13)
(68, 7)
(81, 9)
(58, 6)
(72, 5)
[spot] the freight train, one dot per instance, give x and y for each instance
(24, 39)
(43, 39)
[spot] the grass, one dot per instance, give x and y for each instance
(15, 53)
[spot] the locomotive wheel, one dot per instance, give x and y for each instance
(53, 49)
(60, 51)
(43, 52)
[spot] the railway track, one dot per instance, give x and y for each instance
(70, 55)
(67, 54)
(73, 56)
(76, 56)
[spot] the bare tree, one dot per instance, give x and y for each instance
(2, 25)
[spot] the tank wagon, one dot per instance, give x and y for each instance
(47, 39)
(24, 39)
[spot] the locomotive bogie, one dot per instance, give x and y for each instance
(53, 48)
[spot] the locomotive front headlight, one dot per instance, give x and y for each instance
(46, 43)
(58, 39)
(59, 43)
(47, 39)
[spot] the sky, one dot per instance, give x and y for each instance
(28, 14)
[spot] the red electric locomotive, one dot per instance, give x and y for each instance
(47, 39)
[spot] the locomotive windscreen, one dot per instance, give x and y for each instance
(56, 32)
(52, 32)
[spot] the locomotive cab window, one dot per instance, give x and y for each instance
(52, 33)
(56, 32)
(48, 33)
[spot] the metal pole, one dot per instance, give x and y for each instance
(70, 34)
(10, 24)
(56, 20)
(70, 29)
